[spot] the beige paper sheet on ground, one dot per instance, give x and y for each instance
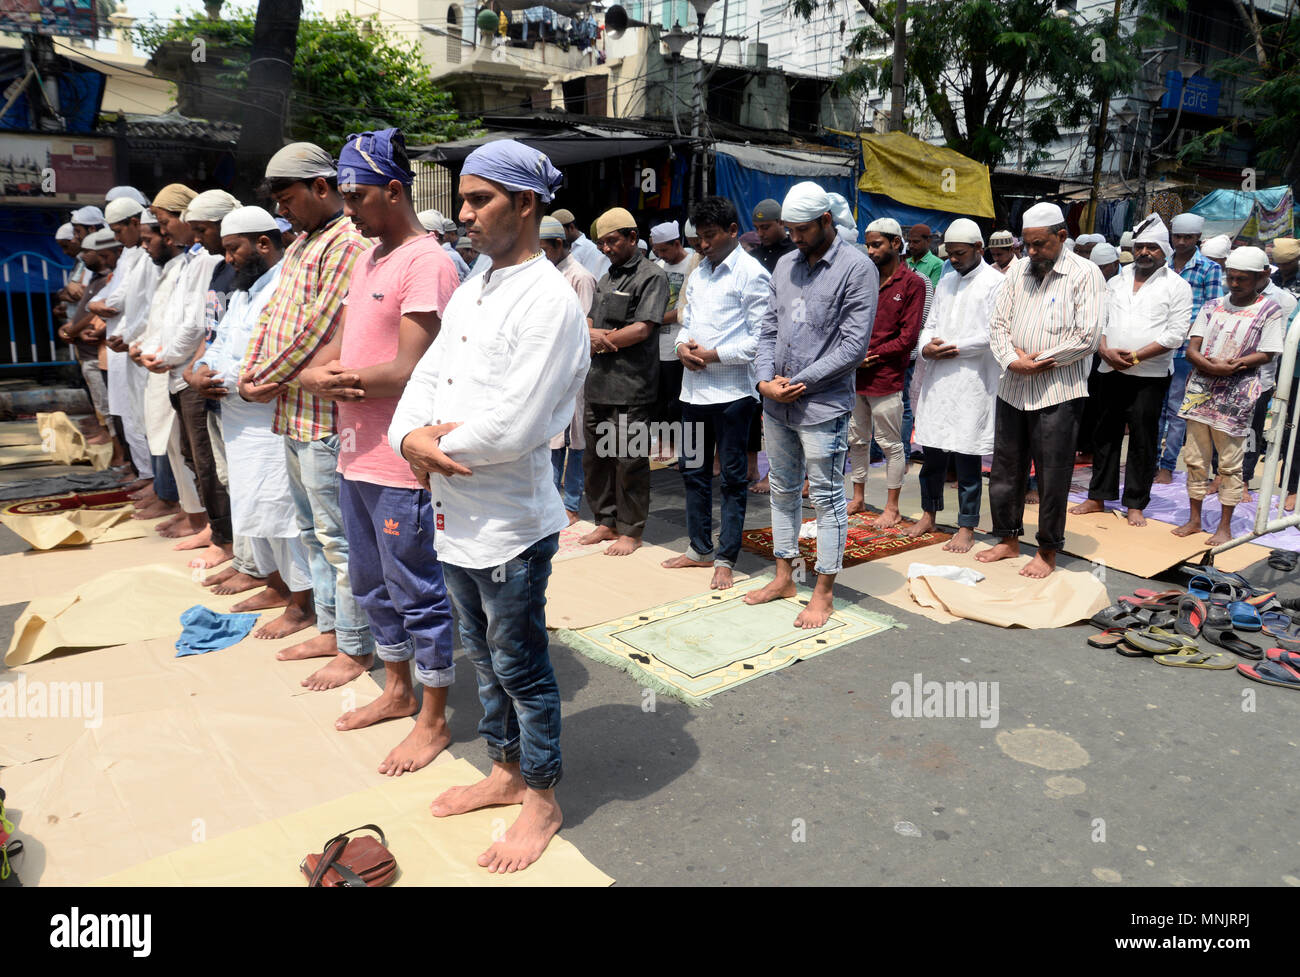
(1003, 598)
(44, 573)
(591, 589)
(131, 604)
(428, 850)
(66, 444)
(68, 527)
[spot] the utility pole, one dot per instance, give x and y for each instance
(270, 79)
(1099, 144)
(900, 57)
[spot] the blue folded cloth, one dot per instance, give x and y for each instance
(206, 630)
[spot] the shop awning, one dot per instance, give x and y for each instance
(563, 148)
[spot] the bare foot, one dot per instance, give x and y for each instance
(193, 524)
(386, 707)
(922, 526)
(1043, 563)
(1136, 517)
(888, 518)
(263, 600)
(856, 506)
(341, 670)
(677, 562)
(1031, 497)
(1004, 550)
(526, 839)
(419, 749)
(598, 535)
(1187, 528)
(773, 590)
(761, 487)
(212, 555)
(722, 579)
(962, 542)
(1221, 535)
(155, 511)
(573, 516)
(1163, 477)
(816, 612)
(322, 646)
(623, 546)
(221, 576)
(293, 620)
(503, 785)
(1289, 504)
(99, 437)
(237, 583)
(1090, 505)
(140, 486)
(1214, 486)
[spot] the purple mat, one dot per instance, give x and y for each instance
(1169, 504)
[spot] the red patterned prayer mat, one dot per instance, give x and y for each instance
(69, 500)
(865, 542)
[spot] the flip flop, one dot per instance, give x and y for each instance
(1217, 576)
(1120, 614)
(1151, 598)
(1275, 622)
(1283, 657)
(1272, 673)
(1231, 641)
(1244, 616)
(1284, 560)
(1107, 639)
(1153, 641)
(1215, 660)
(1191, 616)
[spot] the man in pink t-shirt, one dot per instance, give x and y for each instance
(394, 306)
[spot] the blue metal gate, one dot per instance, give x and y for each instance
(29, 282)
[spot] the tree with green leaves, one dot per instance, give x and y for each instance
(1001, 75)
(349, 75)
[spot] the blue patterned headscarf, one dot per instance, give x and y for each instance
(516, 167)
(367, 159)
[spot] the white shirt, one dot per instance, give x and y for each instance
(724, 310)
(1268, 372)
(590, 256)
(226, 354)
(134, 298)
(511, 356)
(112, 294)
(953, 399)
(676, 292)
(1159, 312)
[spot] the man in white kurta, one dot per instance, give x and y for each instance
(955, 383)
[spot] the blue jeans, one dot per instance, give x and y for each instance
(502, 613)
(164, 483)
(568, 478)
(821, 450)
(907, 410)
(1173, 429)
(725, 426)
(397, 578)
(314, 485)
(970, 484)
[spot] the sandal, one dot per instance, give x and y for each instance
(1272, 673)
(1229, 640)
(1215, 660)
(1284, 657)
(1107, 639)
(1154, 641)
(1191, 616)
(1284, 560)
(1244, 616)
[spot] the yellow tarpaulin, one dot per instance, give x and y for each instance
(921, 175)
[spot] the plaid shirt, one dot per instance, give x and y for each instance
(1206, 279)
(301, 317)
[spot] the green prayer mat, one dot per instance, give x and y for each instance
(696, 647)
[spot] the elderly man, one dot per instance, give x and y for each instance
(514, 337)
(1206, 279)
(1286, 255)
(815, 335)
(958, 384)
(1146, 321)
(1002, 249)
(584, 251)
(622, 385)
(567, 446)
(1233, 338)
(1084, 244)
(773, 238)
(677, 263)
(1045, 328)
(878, 406)
(301, 317)
(919, 256)
(1105, 257)
(726, 300)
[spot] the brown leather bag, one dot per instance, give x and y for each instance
(352, 862)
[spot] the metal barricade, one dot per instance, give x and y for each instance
(1279, 435)
(29, 282)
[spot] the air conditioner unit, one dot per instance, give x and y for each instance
(756, 54)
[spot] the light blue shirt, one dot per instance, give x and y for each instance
(725, 305)
(226, 354)
(462, 269)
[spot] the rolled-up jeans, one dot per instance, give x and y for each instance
(820, 450)
(502, 616)
(1173, 429)
(314, 484)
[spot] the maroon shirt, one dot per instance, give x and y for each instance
(894, 333)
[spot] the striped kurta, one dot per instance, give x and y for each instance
(1063, 313)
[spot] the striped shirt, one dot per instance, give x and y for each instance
(1064, 314)
(725, 305)
(1206, 278)
(301, 317)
